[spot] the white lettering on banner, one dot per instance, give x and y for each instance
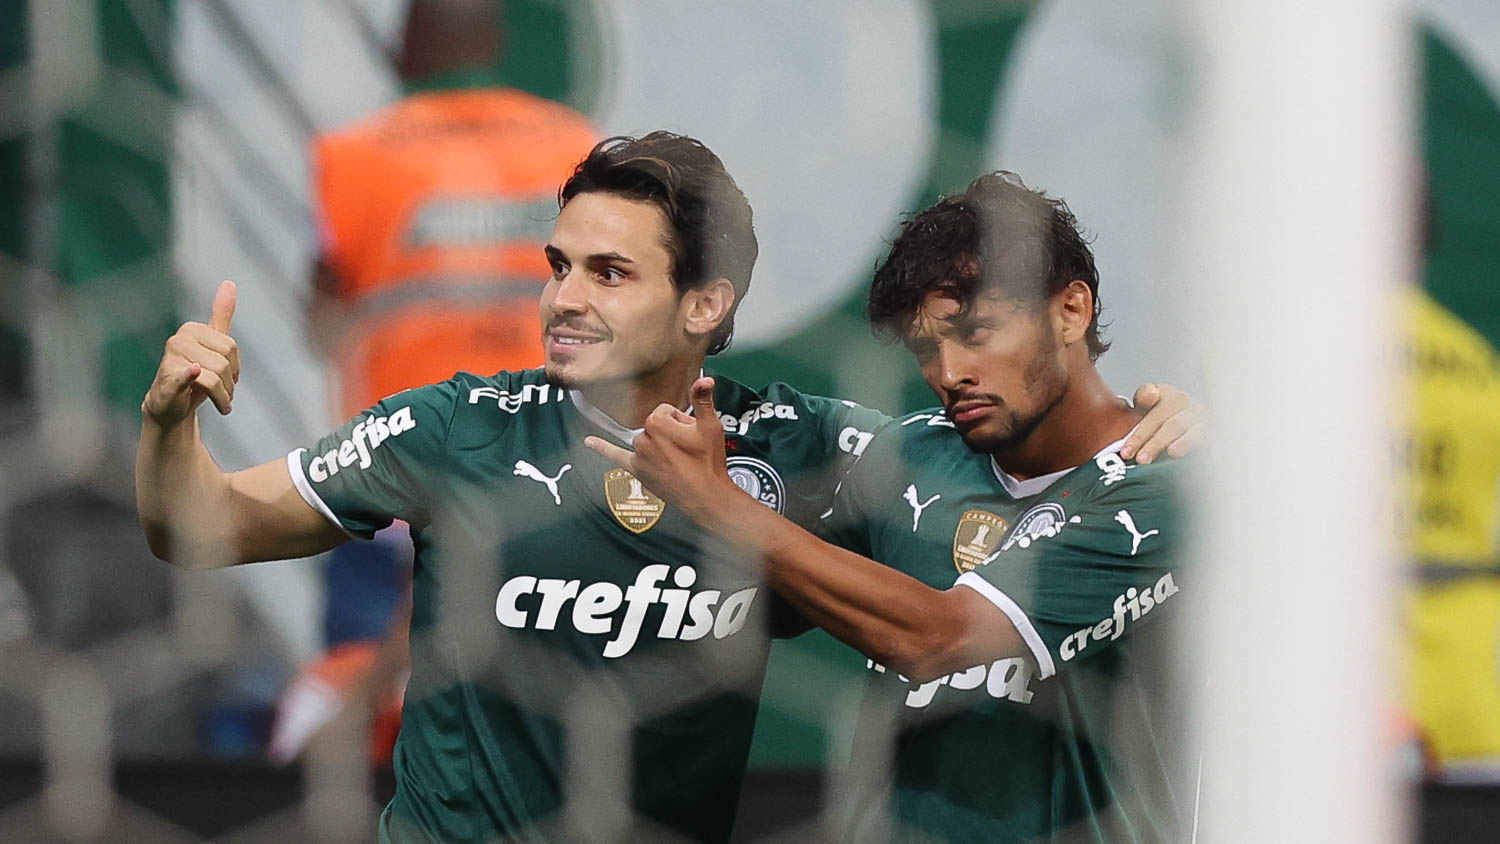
(1130, 606)
(1004, 679)
(765, 410)
(512, 402)
(596, 607)
(368, 434)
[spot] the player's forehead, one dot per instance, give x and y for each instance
(606, 223)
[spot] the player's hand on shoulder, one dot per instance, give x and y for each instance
(1173, 424)
(200, 361)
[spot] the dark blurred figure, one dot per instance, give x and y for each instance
(432, 214)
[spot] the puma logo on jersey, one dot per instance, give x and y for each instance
(1123, 517)
(526, 470)
(916, 507)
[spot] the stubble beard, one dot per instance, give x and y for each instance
(1045, 383)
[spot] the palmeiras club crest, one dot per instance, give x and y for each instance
(759, 480)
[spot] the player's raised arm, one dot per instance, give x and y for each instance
(194, 514)
(889, 616)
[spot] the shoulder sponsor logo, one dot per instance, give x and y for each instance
(512, 402)
(759, 480)
(765, 410)
(1042, 521)
(367, 435)
(853, 441)
(539, 603)
(1130, 606)
(1113, 466)
(974, 541)
(636, 508)
(1004, 679)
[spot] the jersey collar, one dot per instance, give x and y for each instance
(605, 422)
(1035, 486)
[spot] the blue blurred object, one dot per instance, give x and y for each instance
(365, 583)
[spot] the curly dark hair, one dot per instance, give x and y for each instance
(996, 235)
(710, 231)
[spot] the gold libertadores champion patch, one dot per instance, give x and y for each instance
(636, 508)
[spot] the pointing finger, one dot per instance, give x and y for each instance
(624, 458)
(223, 308)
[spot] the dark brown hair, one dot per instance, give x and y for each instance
(996, 235)
(710, 234)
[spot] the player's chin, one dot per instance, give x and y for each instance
(984, 437)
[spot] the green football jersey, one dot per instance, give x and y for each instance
(572, 636)
(1078, 739)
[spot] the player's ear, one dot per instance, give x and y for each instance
(706, 307)
(1073, 310)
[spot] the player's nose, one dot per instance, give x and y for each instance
(571, 294)
(954, 371)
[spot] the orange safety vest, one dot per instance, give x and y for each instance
(433, 215)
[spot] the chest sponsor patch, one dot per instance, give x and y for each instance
(759, 480)
(636, 508)
(974, 541)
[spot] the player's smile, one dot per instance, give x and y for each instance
(564, 341)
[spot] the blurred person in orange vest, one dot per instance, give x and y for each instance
(433, 213)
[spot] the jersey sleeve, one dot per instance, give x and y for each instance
(854, 521)
(381, 464)
(846, 427)
(1073, 591)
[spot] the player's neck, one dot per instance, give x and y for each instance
(1088, 417)
(629, 401)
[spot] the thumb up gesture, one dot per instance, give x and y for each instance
(200, 362)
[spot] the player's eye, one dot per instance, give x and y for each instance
(559, 270)
(611, 275)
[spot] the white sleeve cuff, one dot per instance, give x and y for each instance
(304, 489)
(1017, 617)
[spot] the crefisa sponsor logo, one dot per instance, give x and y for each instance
(1004, 679)
(765, 410)
(543, 604)
(368, 434)
(1130, 606)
